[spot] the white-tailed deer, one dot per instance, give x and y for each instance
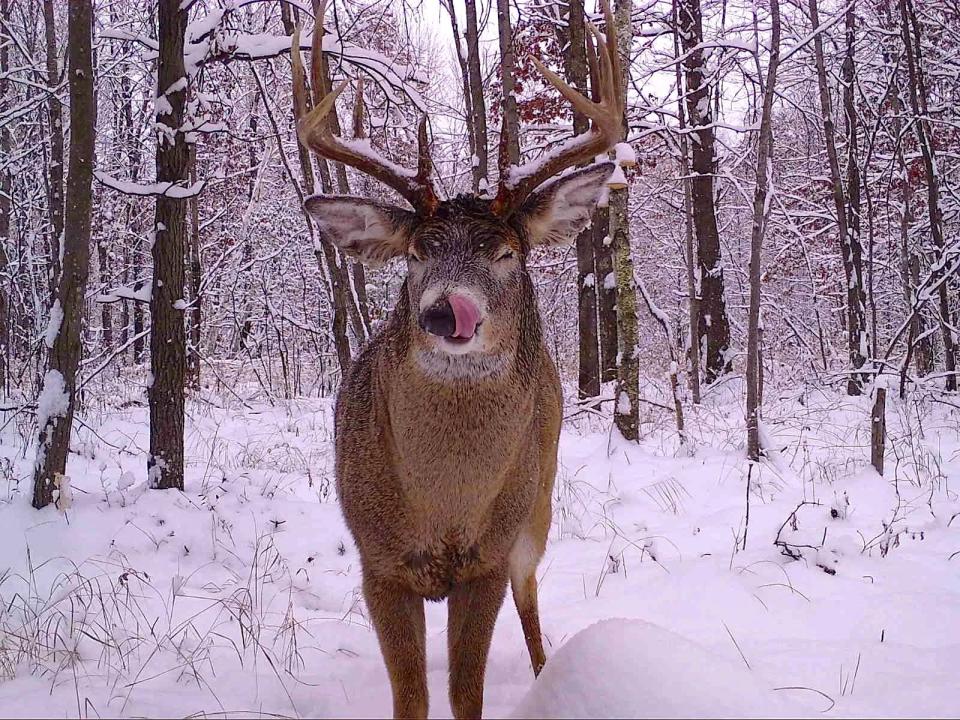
(447, 423)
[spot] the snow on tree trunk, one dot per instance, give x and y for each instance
(167, 334)
(56, 402)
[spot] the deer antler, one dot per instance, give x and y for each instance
(606, 115)
(315, 132)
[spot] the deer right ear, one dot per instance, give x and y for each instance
(371, 232)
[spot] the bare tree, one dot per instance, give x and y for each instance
(851, 250)
(55, 168)
(627, 407)
(6, 201)
(910, 32)
(572, 37)
(167, 335)
(761, 208)
(511, 121)
(477, 102)
(713, 325)
(56, 404)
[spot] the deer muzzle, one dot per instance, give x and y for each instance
(455, 317)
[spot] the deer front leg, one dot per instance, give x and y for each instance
(397, 615)
(471, 614)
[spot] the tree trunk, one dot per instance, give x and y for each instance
(324, 251)
(167, 336)
(690, 261)
(572, 38)
(106, 319)
(713, 327)
(55, 171)
(606, 293)
(850, 249)
(511, 122)
(479, 106)
(760, 212)
(465, 78)
(196, 278)
(910, 30)
(627, 406)
(56, 404)
(6, 202)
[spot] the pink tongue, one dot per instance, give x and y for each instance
(467, 316)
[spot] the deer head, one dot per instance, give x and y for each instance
(467, 286)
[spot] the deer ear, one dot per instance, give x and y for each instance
(371, 232)
(556, 213)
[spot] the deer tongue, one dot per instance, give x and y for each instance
(466, 314)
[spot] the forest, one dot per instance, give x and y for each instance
(756, 507)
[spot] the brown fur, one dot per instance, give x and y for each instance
(445, 466)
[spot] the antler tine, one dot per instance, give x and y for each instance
(315, 133)
(606, 116)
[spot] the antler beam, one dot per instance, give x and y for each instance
(315, 133)
(606, 115)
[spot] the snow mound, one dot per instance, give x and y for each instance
(632, 669)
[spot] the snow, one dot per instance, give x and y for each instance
(53, 401)
(610, 281)
(162, 106)
(631, 668)
(140, 291)
(165, 189)
(241, 595)
(617, 179)
(625, 154)
(53, 324)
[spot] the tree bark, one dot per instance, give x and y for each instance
(465, 78)
(478, 104)
(606, 293)
(572, 38)
(760, 212)
(196, 279)
(6, 203)
(910, 32)
(627, 406)
(923, 352)
(324, 252)
(511, 121)
(693, 290)
(55, 171)
(57, 398)
(713, 326)
(167, 336)
(850, 249)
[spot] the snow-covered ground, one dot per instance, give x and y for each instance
(241, 595)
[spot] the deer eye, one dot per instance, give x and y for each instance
(506, 254)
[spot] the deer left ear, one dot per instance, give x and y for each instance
(556, 213)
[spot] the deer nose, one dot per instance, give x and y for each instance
(438, 319)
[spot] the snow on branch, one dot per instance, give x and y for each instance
(140, 291)
(157, 189)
